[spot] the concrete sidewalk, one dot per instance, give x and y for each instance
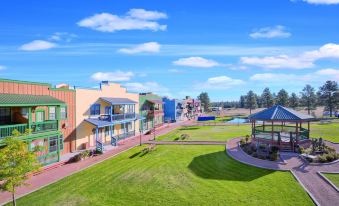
(319, 190)
(51, 176)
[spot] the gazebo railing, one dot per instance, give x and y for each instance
(282, 132)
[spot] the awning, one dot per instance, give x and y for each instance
(105, 123)
(117, 101)
(11, 100)
(156, 101)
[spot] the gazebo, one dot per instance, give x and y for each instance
(282, 127)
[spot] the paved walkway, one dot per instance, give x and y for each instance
(320, 191)
(48, 177)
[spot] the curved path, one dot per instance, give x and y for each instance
(319, 190)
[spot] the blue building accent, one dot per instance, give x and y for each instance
(172, 109)
(169, 109)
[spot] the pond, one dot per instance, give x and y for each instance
(237, 121)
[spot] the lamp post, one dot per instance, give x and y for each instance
(140, 132)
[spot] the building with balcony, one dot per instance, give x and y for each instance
(105, 116)
(173, 110)
(40, 115)
(151, 110)
(193, 107)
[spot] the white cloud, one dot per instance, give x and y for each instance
(147, 87)
(148, 15)
(136, 19)
(276, 62)
(304, 60)
(112, 76)
(196, 62)
(270, 32)
(280, 78)
(322, 1)
(37, 45)
(175, 71)
(329, 73)
(2, 67)
(149, 47)
(220, 83)
(62, 36)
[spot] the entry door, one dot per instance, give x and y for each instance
(40, 116)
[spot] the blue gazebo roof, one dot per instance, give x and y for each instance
(280, 113)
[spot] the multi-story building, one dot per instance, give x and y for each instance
(193, 107)
(105, 116)
(173, 110)
(39, 114)
(151, 110)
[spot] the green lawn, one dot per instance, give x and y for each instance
(207, 133)
(334, 178)
(326, 131)
(172, 175)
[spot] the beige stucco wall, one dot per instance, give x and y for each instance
(85, 98)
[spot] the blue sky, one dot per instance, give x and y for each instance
(173, 48)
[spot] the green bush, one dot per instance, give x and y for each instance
(254, 154)
(263, 157)
(273, 156)
(242, 142)
(322, 158)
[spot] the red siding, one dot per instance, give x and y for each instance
(66, 96)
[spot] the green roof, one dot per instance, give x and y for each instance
(28, 100)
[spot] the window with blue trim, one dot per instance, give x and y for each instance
(95, 109)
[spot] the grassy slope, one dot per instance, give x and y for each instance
(172, 175)
(212, 133)
(334, 178)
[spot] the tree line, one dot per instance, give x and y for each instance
(327, 95)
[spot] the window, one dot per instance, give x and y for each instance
(53, 144)
(63, 112)
(52, 113)
(5, 115)
(106, 131)
(61, 142)
(107, 110)
(24, 112)
(95, 109)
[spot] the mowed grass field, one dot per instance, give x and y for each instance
(328, 131)
(334, 178)
(207, 133)
(172, 175)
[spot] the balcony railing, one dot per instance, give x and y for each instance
(117, 117)
(124, 135)
(38, 127)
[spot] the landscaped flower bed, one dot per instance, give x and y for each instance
(259, 151)
(319, 152)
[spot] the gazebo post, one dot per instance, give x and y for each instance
(297, 133)
(254, 128)
(263, 125)
(272, 132)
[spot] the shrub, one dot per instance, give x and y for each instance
(263, 157)
(242, 142)
(274, 149)
(273, 156)
(254, 154)
(247, 138)
(262, 147)
(184, 136)
(322, 158)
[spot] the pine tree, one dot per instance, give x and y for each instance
(267, 98)
(293, 101)
(251, 101)
(329, 95)
(282, 98)
(308, 98)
